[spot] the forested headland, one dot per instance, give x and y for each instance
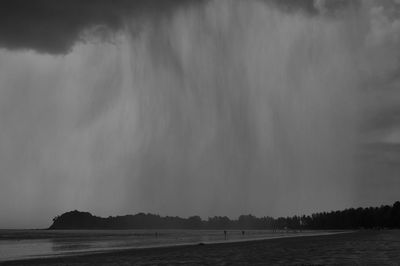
(385, 216)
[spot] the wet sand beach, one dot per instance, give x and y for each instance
(356, 248)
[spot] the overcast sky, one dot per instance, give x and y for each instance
(197, 107)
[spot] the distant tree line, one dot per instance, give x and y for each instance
(371, 217)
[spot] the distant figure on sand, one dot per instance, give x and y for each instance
(225, 234)
(242, 232)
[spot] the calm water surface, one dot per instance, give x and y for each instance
(23, 244)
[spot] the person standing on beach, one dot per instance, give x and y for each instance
(225, 234)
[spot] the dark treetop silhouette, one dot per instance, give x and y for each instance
(371, 217)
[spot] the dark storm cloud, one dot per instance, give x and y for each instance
(53, 27)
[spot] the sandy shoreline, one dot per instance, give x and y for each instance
(66, 243)
(111, 249)
(362, 248)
